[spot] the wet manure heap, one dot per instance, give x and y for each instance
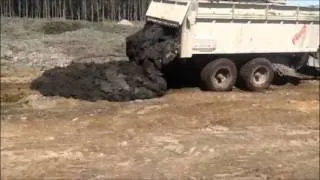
(149, 51)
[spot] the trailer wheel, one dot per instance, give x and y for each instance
(257, 74)
(219, 75)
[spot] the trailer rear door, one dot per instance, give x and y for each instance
(168, 12)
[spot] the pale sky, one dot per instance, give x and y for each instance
(303, 2)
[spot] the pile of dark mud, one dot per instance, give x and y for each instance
(149, 51)
(154, 46)
(114, 81)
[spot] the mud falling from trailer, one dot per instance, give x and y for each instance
(149, 50)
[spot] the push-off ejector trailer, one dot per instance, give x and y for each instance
(250, 41)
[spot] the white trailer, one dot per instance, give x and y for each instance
(246, 41)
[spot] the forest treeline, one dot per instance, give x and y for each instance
(92, 10)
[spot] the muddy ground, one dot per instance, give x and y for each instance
(186, 134)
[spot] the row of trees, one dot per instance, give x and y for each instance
(93, 10)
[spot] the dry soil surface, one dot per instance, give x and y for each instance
(187, 134)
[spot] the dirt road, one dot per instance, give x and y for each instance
(187, 134)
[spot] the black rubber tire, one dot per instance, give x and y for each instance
(247, 71)
(212, 68)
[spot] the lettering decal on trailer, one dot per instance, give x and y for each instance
(204, 44)
(300, 34)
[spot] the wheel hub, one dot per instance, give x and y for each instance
(260, 76)
(222, 77)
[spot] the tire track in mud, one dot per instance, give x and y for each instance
(149, 51)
